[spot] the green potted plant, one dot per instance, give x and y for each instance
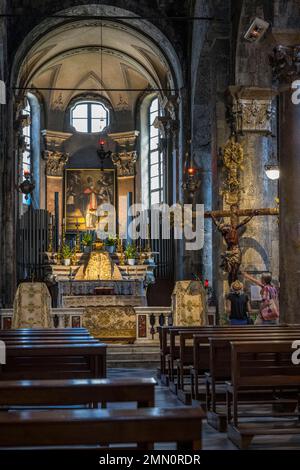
(87, 242)
(130, 254)
(67, 253)
(110, 244)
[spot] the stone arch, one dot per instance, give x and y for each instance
(33, 33)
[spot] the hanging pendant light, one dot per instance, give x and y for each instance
(272, 172)
(102, 153)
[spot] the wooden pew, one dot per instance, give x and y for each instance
(220, 370)
(201, 354)
(54, 361)
(164, 338)
(92, 427)
(169, 351)
(52, 340)
(183, 355)
(173, 349)
(282, 375)
(33, 332)
(76, 392)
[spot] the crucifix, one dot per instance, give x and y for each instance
(233, 157)
(232, 257)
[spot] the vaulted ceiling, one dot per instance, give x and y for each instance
(109, 57)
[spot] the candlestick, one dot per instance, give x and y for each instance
(77, 243)
(50, 246)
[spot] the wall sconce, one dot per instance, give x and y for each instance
(272, 172)
(27, 186)
(102, 153)
(192, 178)
(192, 181)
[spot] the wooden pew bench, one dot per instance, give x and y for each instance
(45, 332)
(283, 375)
(180, 352)
(186, 373)
(143, 427)
(169, 335)
(201, 353)
(91, 392)
(176, 356)
(54, 361)
(40, 341)
(220, 370)
(165, 372)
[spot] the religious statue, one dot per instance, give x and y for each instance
(233, 157)
(232, 258)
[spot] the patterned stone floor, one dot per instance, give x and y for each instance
(212, 440)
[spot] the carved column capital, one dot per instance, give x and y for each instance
(167, 126)
(55, 140)
(285, 63)
(251, 109)
(55, 162)
(54, 154)
(126, 155)
(125, 163)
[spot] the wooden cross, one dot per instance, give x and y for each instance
(232, 257)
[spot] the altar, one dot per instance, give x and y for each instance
(104, 289)
(82, 294)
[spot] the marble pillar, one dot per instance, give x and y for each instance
(55, 159)
(124, 160)
(254, 121)
(286, 69)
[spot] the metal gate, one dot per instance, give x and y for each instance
(32, 243)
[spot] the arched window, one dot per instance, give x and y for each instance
(156, 164)
(26, 155)
(26, 160)
(89, 116)
(30, 159)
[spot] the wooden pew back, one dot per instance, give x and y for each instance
(93, 427)
(77, 392)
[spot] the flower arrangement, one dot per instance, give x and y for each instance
(110, 241)
(130, 253)
(87, 239)
(67, 253)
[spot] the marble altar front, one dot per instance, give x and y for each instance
(82, 293)
(82, 301)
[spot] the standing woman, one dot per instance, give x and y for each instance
(269, 306)
(238, 305)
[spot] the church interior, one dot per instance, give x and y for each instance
(149, 246)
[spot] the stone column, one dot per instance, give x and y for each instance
(55, 160)
(168, 129)
(286, 68)
(253, 119)
(124, 160)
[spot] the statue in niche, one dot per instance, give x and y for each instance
(232, 257)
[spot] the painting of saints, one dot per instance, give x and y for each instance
(86, 190)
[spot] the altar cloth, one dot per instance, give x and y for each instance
(189, 304)
(117, 323)
(32, 306)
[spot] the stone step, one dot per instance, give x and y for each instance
(132, 349)
(149, 357)
(128, 363)
(127, 355)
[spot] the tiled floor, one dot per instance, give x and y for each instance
(212, 440)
